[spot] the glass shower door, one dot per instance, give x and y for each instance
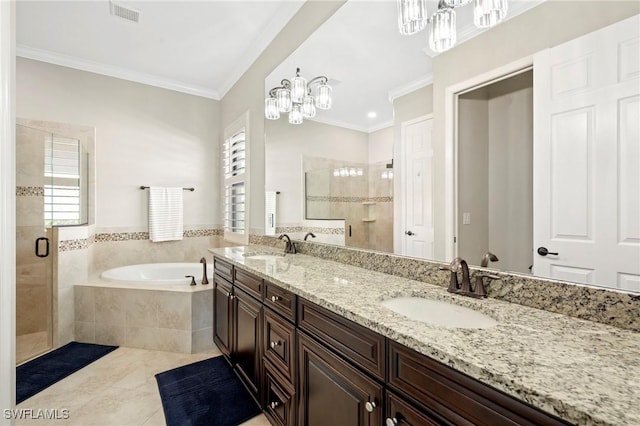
(34, 266)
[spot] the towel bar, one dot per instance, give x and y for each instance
(186, 189)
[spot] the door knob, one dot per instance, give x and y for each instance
(369, 406)
(542, 251)
(409, 233)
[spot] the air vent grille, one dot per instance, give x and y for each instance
(124, 12)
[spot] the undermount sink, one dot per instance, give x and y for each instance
(264, 256)
(439, 313)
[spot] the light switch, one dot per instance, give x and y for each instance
(466, 218)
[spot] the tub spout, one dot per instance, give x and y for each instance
(205, 280)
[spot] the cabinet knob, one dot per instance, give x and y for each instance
(275, 344)
(275, 298)
(228, 294)
(370, 405)
(391, 421)
(274, 405)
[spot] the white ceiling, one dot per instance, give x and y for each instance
(203, 47)
(198, 47)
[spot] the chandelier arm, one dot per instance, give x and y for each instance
(320, 79)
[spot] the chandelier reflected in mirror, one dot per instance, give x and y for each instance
(298, 97)
(412, 18)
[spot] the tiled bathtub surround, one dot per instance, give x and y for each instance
(174, 321)
(594, 304)
(582, 371)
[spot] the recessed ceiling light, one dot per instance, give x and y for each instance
(372, 114)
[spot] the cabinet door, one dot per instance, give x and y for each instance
(332, 392)
(247, 324)
(222, 310)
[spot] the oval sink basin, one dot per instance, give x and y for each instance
(264, 256)
(439, 313)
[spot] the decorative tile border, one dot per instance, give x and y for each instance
(334, 199)
(314, 229)
(29, 191)
(79, 244)
(601, 305)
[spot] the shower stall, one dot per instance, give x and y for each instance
(51, 190)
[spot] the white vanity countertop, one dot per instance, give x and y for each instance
(582, 371)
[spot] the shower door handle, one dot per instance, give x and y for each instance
(46, 251)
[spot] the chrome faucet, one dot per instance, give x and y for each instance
(488, 256)
(290, 247)
(205, 280)
(309, 234)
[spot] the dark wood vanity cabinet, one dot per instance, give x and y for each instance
(332, 392)
(238, 327)
(309, 366)
(247, 353)
(222, 309)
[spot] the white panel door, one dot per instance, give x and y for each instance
(418, 188)
(587, 158)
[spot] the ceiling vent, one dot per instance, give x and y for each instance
(124, 12)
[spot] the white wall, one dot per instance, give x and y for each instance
(144, 136)
(381, 145)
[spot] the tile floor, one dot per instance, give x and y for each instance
(119, 389)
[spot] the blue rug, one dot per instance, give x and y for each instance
(205, 393)
(40, 373)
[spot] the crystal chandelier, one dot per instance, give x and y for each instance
(298, 98)
(412, 18)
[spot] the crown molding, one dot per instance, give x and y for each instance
(111, 71)
(381, 126)
(351, 126)
(410, 87)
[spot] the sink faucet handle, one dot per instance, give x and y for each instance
(479, 290)
(453, 280)
(193, 279)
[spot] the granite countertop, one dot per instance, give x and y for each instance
(585, 372)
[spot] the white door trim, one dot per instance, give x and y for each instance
(451, 142)
(7, 208)
(399, 223)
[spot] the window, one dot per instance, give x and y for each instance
(235, 179)
(62, 190)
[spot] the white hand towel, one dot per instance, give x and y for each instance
(165, 214)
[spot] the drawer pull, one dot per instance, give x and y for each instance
(370, 405)
(276, 298)
(391, 421)
(275, 344)
(274, 405)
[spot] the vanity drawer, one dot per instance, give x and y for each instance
(280, 300)
(456, 396)
(279, 343)
(401, 412)
(360, 345)
(248, 282)
(280, 405)
(222, 268)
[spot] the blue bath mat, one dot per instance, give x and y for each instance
(40, 373)
(205, 393)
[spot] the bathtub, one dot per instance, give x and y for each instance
(160, 274)
(148, 306)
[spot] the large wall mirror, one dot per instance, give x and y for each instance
(381, 123)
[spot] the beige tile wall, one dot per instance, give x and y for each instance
(147, 319)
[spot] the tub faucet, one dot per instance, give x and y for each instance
(488, 256)
(205, 280)
(309, 234)
(290, 247)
